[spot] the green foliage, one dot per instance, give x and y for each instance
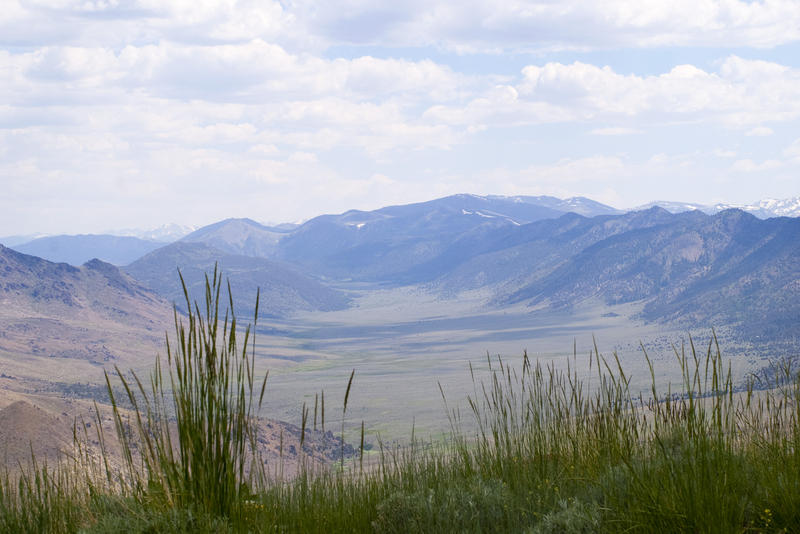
(127, 516)
(477, 506)
(41, 499)
(571, 517)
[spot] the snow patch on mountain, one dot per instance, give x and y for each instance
(763, 209)
(166, 233)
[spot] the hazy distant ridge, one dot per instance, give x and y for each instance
(78, 249)
(677, 260)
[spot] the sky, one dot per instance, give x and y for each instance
(137, 113)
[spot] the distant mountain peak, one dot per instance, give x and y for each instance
(244, 220)
(240, 236)
(166, 233)
(580, 205)
(656, 209)
(672, 206)
(763, 209)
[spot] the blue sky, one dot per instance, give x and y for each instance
(136, 113)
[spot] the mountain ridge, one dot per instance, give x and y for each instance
(283, 289)
(727, 268)
(93, 312)
(763, 209)
(241, 236)
(78, 249)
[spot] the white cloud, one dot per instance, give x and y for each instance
(793, 151)
(748, 165)
(467, 27)
(117, 23)
(571, 170)
(615, 130)
(726, 154)
(760, 131)
(500, 105)
(485, 26)
(241, 72)
(252, 93)
(741, 94)
(220, 134)
(382, 179)
(264, 149)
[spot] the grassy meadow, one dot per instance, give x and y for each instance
(534, 448)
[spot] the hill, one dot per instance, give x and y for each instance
(243, 237)
(283, 289)
(25, 428)
(53, 313)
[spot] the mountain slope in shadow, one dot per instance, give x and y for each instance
(283, 289)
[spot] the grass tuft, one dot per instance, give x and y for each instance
(192, 444)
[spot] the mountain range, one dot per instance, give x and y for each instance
(687, 263)
(384, 244)
(166, 233)
(764, 209)
(250, 238)
(689, 268)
